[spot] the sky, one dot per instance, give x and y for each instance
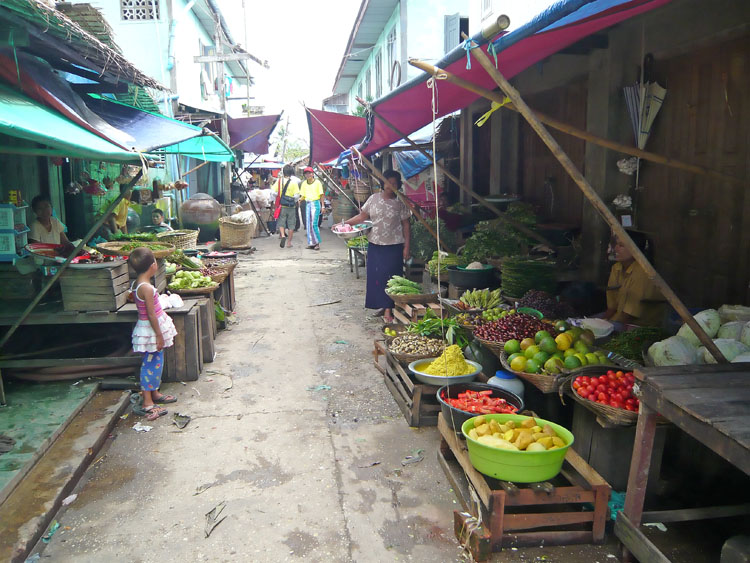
(303, 42)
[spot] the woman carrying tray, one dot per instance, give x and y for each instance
(389, 242)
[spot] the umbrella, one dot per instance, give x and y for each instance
(644, 101)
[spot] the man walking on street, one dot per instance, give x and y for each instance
(288, 191)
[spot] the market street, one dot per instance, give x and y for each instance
(293, 428)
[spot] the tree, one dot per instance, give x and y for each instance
(295, 147)
(360, 110)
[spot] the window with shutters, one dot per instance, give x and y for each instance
(368, 83)
(139, 10)
(486, 8)
(378, 75)
(359, 90)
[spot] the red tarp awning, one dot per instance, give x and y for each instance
(409, 107)
(348, 129)
(243, 127)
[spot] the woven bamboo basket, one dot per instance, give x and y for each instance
(184, 239)
(613, 415)
(494, 347)
(542, 381)
(408, 358)
(235, 235)
(413, 299)
(208, 290)
(116, 249)
(399, 328)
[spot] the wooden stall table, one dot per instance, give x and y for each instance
(709, 402)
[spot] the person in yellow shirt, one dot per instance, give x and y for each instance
(287, 191)
(632, 298)
(312, 193)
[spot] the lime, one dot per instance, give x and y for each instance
(592, 359)
(532, 366)
(512, 347)
(569, 352)
(518, 363)
(553, 365)
(571, 362)
(548, 345)
(514, 356)
(526, 342)
(561, 326)
(563, 341)
(582, 359)
(580, 347)
(541, 335)
(541, 357)
(559, 355)
(531, 350)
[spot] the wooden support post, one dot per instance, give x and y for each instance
(598, 204)
(575, 131)
(512, 222)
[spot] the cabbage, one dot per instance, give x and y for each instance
(742, 358)
(674, 351)
(730, 330)
(730, 348)
(734, 313)
(709, 321)
(745, 334)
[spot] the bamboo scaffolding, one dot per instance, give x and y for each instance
(574, 131)
(375, 172)
(598, 203)
(489, 205)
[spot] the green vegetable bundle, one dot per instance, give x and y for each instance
(521, 273)
(423, 244)
(151, 245)
(481, 298)
(631, 343)
(445, 261)
(136, 237)
(496, 238)
(447, 328)
(358, 242)
(190, 280)
(178, 257)
(399, 285)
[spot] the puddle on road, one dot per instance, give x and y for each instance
(300, 543)
(402, 535)
(262, 475)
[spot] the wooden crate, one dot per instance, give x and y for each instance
(405, 313)
(417, 401)
(14, 285)
(558, 512)
(184, 360)
(99, 289)
(159, 281)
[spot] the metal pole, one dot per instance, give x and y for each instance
(64, 265)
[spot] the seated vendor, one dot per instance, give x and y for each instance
(632, 298)
(157, 220)
(46, 228)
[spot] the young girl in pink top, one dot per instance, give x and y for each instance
(153, 332)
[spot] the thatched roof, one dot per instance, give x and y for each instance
(53, 35)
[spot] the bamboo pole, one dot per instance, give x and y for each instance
(64, 265)
(489, 205)
(321, 172)
(374, 171)
(598, 203)
(405, 200)
(202, 164)
(575, 131)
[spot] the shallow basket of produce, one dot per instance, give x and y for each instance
(160, 249)
(545, 382)
(392, 330)
(609, 413)
(413, 298)
(516, 326)
(206, 290)
(461, 401)
(516, 463)
(407, 348)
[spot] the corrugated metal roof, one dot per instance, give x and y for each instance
(371, 20)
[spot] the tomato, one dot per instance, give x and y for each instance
(601, 396)
(583, 379)
(576, 384)
(583, 393)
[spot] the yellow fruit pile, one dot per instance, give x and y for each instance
(527, 436)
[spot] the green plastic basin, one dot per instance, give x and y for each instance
(517, 466)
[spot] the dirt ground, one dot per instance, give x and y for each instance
(293, 429)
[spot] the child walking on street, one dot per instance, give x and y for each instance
(153, 332)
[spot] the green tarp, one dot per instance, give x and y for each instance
(205, 147)
(24, 118)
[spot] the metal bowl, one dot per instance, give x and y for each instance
(354, 233)
(439, 380)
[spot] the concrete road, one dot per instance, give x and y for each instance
(293, 429)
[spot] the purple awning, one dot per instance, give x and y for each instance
(244, 127)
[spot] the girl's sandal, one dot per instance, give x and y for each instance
(153, 412)
(164, 399)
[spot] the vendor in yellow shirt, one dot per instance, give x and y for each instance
(632, 298)
(312, 193)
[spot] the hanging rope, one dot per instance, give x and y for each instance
(492, 50)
